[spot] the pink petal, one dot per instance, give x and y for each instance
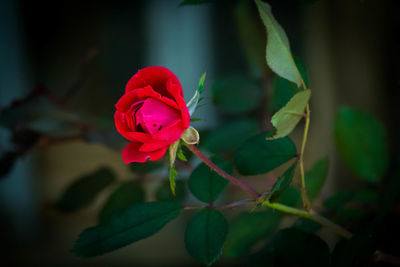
(131, 153)
(155, 115)
(171, 133)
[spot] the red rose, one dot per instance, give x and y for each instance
(152, 114)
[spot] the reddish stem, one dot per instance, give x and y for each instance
(224, 174)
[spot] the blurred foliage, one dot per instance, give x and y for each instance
(228, 136)
(84, 190)
(362, 144)
(228, 94)
(315, 178)
(243, 146)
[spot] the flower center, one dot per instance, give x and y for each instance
(155, 115)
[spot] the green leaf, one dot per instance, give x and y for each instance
(127, 194)
(247, 229)
(290, 197)
(286, 119)
(192, 104)
(163, 192)
(362, 144)
(172, 150)
(257, 155)
(236, 94)
(278, 55)
(283, 90)
(172, 177)
(132, 224)
(200, 86)
(293, 247)
(315, 178)
(180, 154)
(205, 236)
(143, 168)
(282, 183)
(228, 136)
(207, 185)
(84, 190)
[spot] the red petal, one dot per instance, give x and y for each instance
(176, 90)
(155, 76)
(154, 145)
(138, 136)
(132, 97)
(121, 123)
(131, 153)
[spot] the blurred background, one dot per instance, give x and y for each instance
(80, 55)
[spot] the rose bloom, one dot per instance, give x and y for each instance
(152, 114)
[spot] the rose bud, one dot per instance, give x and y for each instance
(152, 114)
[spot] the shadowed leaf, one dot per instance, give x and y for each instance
(85, 189)
(163, 192)
(205, 236)
(257, 155)
(132, 224)
(282, 183)
(206, 184)
(124, 196)
(247, 229)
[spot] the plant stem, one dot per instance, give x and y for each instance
(308, 214)
(235, 204)
(221, 172)
(304, 197)
(311, 215)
